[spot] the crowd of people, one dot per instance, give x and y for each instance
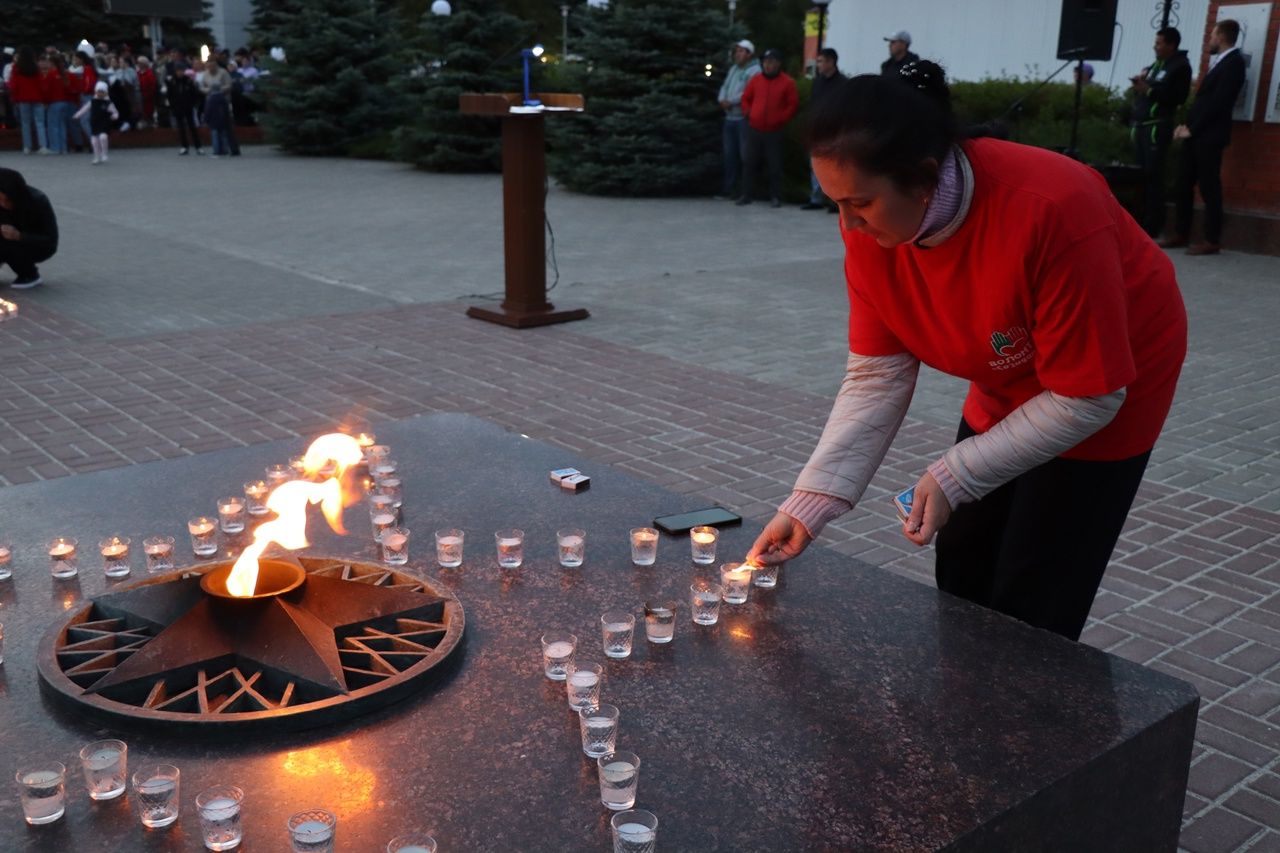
(51, 96)
(759, 100)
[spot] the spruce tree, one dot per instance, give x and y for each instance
(333, 92)
(476, 49)
(651, 126)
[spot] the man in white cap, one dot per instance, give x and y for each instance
(899, 53)
(745, 66)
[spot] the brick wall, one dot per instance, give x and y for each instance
(1251, 165)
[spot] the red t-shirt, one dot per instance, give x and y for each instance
(1047, 284)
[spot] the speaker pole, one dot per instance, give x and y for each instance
(1164, 16)
(1075, 114)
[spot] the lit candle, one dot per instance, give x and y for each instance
(701, 539)
(202, 527)
(115, 551)
(61, 550)
(366, 440)
(157, 549)
(394, 541)
(5, 554)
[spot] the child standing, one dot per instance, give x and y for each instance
(101, 114)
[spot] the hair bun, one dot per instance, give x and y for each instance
(927, 77)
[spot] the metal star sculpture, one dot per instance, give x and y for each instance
(169, 648)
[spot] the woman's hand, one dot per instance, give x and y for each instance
(783, 539)
(929, 511)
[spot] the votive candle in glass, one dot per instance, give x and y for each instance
(115, 556)
(255, 497)
(204, 535)
(702, 542)
(736, 579)
(62, 557)
(6, 557)
(159, 552)
(231, 514)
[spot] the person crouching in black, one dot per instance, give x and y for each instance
(28, 229)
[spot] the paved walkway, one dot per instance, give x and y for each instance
(199, 304)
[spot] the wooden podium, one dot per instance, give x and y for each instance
(524, 175)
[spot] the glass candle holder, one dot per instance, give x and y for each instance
(298, 467)
(634, 831)
(231, 514)
(278, 474)
(381, 517)
(204, 535)
(704, 600)
(313, 831)
(156, 795)
(510, 545)
(582, 685)
(255, 497)
(106, 768)
(702, 544)
(659, 621)
(449, 544)
(736, 579)
(572, 545)
(392, 487)
(6, 559)
(558, 648)
(384, 467)
(62, 557)
(415, 842)
(644, 546)
(766, 577)
(599, 729)
(375, 453)
(618, 630)
(115, 556)
(159, 553)
(394, 543)
(219, 809)
(42, 788)
(619, 775)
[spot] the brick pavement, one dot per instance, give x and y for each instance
(707, 375)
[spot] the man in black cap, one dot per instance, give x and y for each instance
(899, 53)
(28, 229)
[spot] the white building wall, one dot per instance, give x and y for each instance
(229, 21)
(974, 39)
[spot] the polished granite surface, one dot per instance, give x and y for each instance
(847, 709)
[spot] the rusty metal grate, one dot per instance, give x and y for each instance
(355, 636)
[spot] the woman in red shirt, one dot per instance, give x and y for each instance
(1014, 268)
(53, 87)
(24, 91)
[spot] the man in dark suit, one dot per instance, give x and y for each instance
(1204, 136)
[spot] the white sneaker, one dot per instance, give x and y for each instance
(96, 159)
(124, 127)
(28, 283)
(104, 158)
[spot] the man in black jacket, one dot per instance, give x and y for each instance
(1160, 89)
(899, 53)
(1205, 135)
(826, 78)
(28, 229)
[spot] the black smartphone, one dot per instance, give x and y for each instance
(714, 516)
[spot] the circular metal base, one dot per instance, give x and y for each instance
(275, 577)
(335, 639)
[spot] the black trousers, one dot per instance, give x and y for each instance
(762, 146)
(1035, 548)
(21, 259)
(1152, 143)
(184, 120)
(1201, 165)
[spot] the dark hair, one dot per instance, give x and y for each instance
(24, 61)
(1170, 36)
(889, 126)
(830, 53)
(1230, 29)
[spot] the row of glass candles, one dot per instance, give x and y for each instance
(42, 791)
(232, 517)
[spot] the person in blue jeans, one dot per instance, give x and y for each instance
(733, 135)
(25, 92)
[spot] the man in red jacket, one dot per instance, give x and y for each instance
(769, 102)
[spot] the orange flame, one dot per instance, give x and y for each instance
(289, 502)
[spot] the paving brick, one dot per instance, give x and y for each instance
(1215, 774)
(1219, 831)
